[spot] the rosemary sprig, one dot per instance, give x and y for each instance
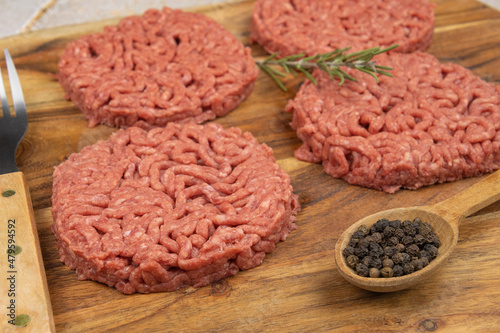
(329, 62)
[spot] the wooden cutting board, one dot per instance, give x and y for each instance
(297, 288)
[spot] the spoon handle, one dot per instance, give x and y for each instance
(471, 200)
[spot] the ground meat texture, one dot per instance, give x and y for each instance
(164, 66)
(318, 26)
(431, 123)
(184, 205)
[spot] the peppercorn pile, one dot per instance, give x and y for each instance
(391, 248)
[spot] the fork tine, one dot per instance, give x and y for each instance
(3, 97)
(15, 87)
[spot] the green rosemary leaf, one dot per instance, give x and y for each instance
(329, 62)
(387, 49)
(384, 73)
(322, 66)
(271, 57)
(328, 56)
(306, 73)
(311, 58)
(367, 71)
(293, 71)
(383, 67)
(273, 76)
(286, 68)
(367, 67)
(347, 76)
(289, 70)
(351, 57)
(338, 74)
(277, 72)
(293, 57)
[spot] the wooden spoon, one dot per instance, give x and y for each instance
(444, 217)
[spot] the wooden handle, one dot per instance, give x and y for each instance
(24, 294)
(471, 200)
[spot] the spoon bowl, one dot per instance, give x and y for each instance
(444, 230)
(444, 217)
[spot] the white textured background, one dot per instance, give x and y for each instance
(18, 16)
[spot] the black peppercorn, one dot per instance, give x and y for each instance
(377, 263)
(395, 224)
(433, 251)
(413, 250)
(398, 258)
(374, 273)
(417, 263)
(388, 263)
(407, 240)
(408, 268)
(377, 237)
(425, 229)
(389, 232)
(381, 224)
(424, 261)
(364, 229)
(405, 223)
(400, 247)
(391, 248)
(393, 241)
(362, 270)
(364, 242)
(425, 254)
(376, 249)
(352, 261)
(406, 257)
(353, 242)
(410, 230)
(416, 223)
(390, 251)
(387, 272)
(348, 250)
(398, 270)
(367, 261)
(358, 234)
(399, 233)
(361, 251)
(419, 240)
(434, 240)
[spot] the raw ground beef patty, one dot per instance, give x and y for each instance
(164, 66)
(430, 123)
(319, 26)
(184, 205)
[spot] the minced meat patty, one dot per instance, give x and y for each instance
(164, 66)
(184, 205)
(431, 123)
(318, 26)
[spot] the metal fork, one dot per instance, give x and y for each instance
(12, 129)
(22, 267)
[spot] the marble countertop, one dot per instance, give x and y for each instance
(18, 16)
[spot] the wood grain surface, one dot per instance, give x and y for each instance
(24, 287)
(298, 287)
